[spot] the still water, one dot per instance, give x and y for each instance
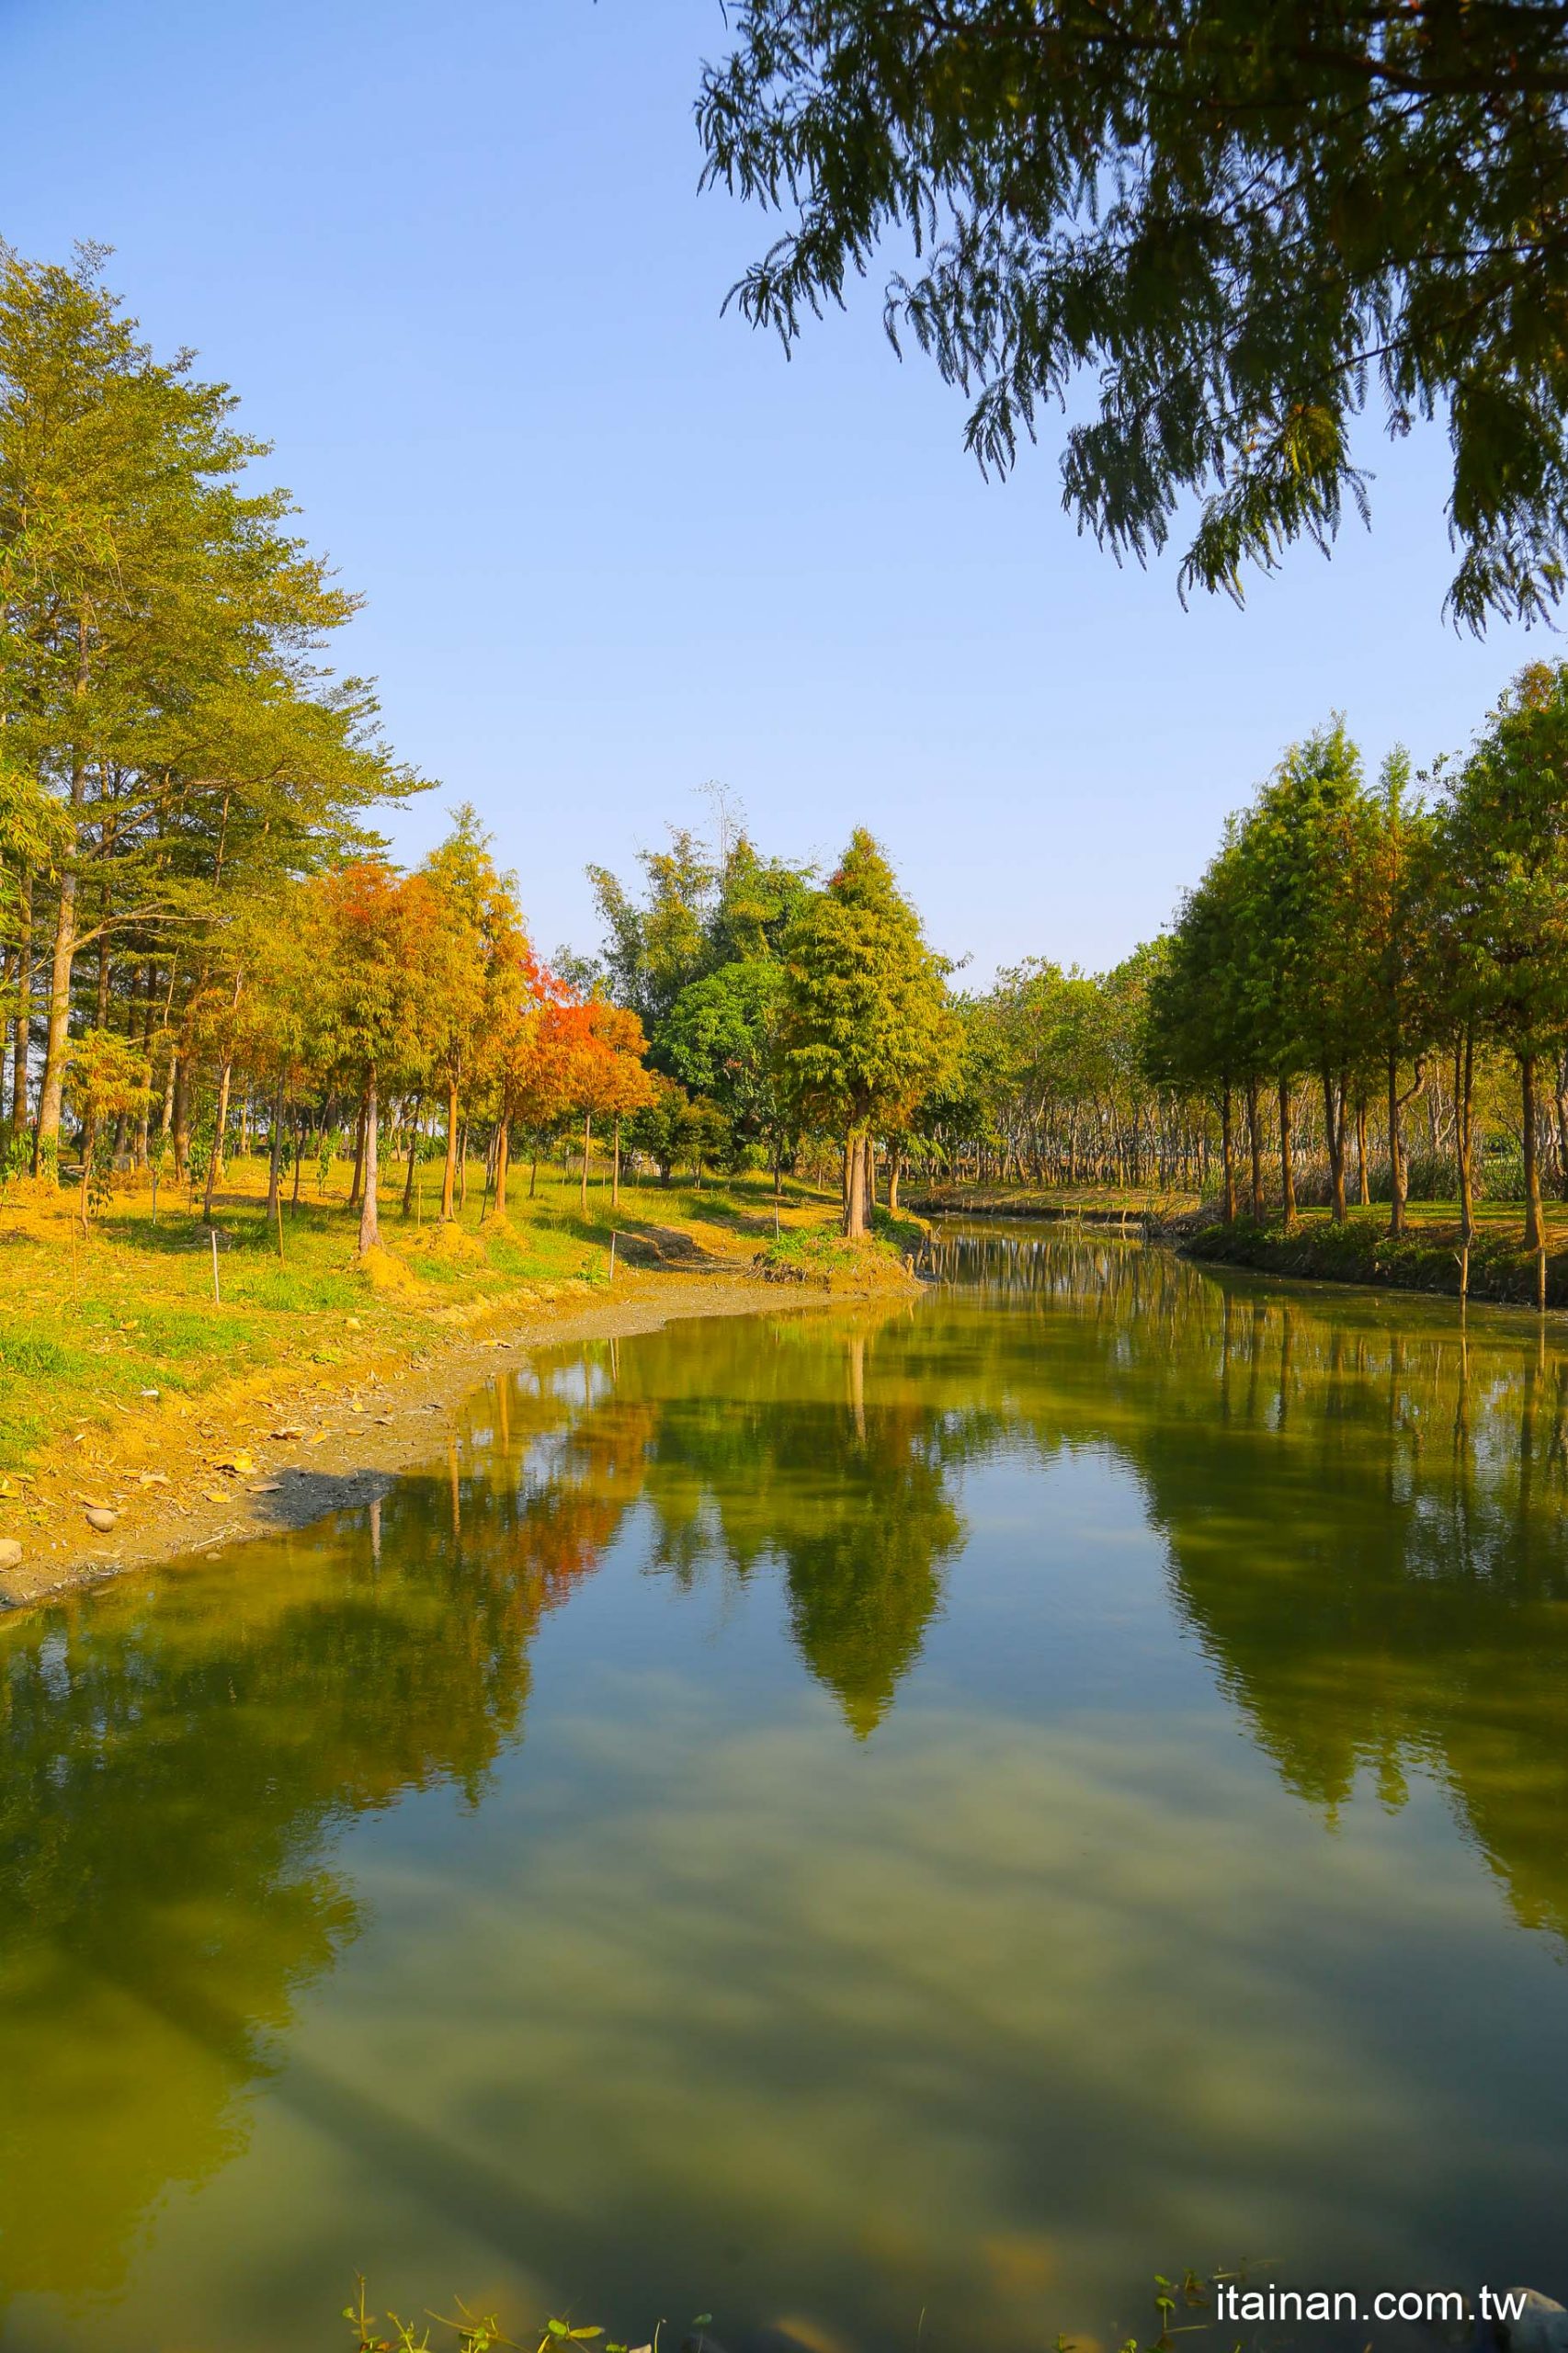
(823, 1820)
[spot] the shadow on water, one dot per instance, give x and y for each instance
(1361, 1514)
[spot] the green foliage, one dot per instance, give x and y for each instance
(1503, 841)
(723, 1041)
(1241, 221)
(866, 1031)
(703, 908)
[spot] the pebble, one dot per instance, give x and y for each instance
(10, 1552)
(1542, 2328)
(98, 1517)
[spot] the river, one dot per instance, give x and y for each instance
(892, 1824)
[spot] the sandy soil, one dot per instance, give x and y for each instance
(289, 1445)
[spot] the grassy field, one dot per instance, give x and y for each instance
(96, 1323)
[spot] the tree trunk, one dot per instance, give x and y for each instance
(358, 1158)
(502, 1155)
(413, 1161)
(894, 1164)
(22, 1037)
(450, 1173)
(215, 1157)
(856, 1146)
(1255, 1148)
(1396, 1157)
(1464, 1132)
(275, 1154)
(369, 1232)
(166, 1109)
(1363, 1185)
(614, 1167)
(1535, 1233)
(46, 1141)
(181, 1111)
(100, 1005)
(89, 1145)
(463, 1168)
(298, 1160)
(1228, 1151)
(588, 1140)
(1287, 1166)
(1333, 1129)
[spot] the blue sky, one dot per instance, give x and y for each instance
(612, 545)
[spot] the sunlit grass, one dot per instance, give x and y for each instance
(96, 1320)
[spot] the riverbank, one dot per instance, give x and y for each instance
(1429, 1257)
(1129, 1206)
(142, 1418)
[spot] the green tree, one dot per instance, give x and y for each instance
(1394, 881)
(1303, 982)
(654, 951)
(1242, 221)
(1505, 838)
(866, 1029)
(1198, 1032)
(722, 1040)
(157, 624)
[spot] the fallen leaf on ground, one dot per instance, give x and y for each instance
(154, 1478)
(237, 1462)
(214, 1495)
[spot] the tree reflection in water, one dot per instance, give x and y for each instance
(1362, 1513)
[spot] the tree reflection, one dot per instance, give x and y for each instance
(1364, 1510)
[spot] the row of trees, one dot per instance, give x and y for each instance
(195, 918)
(172, 751)
(1358, 938)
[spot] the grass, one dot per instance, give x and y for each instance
(1427, 1259)
(95, 1322)
(820, 1253)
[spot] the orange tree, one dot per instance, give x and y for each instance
(608, 1076)
(533, 1053)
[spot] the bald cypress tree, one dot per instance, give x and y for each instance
(866, 1029)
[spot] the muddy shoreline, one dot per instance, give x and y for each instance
(291, 1445)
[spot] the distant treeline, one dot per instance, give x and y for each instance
(202, 944)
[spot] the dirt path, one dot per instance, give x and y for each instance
(280, 1449)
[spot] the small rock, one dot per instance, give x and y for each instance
(10, 1552)
(1542, 2328)
(100, 1517)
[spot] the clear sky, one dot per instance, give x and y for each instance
(612, 545)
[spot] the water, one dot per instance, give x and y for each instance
(820, 1819)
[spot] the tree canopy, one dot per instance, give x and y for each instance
(1246, 220)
